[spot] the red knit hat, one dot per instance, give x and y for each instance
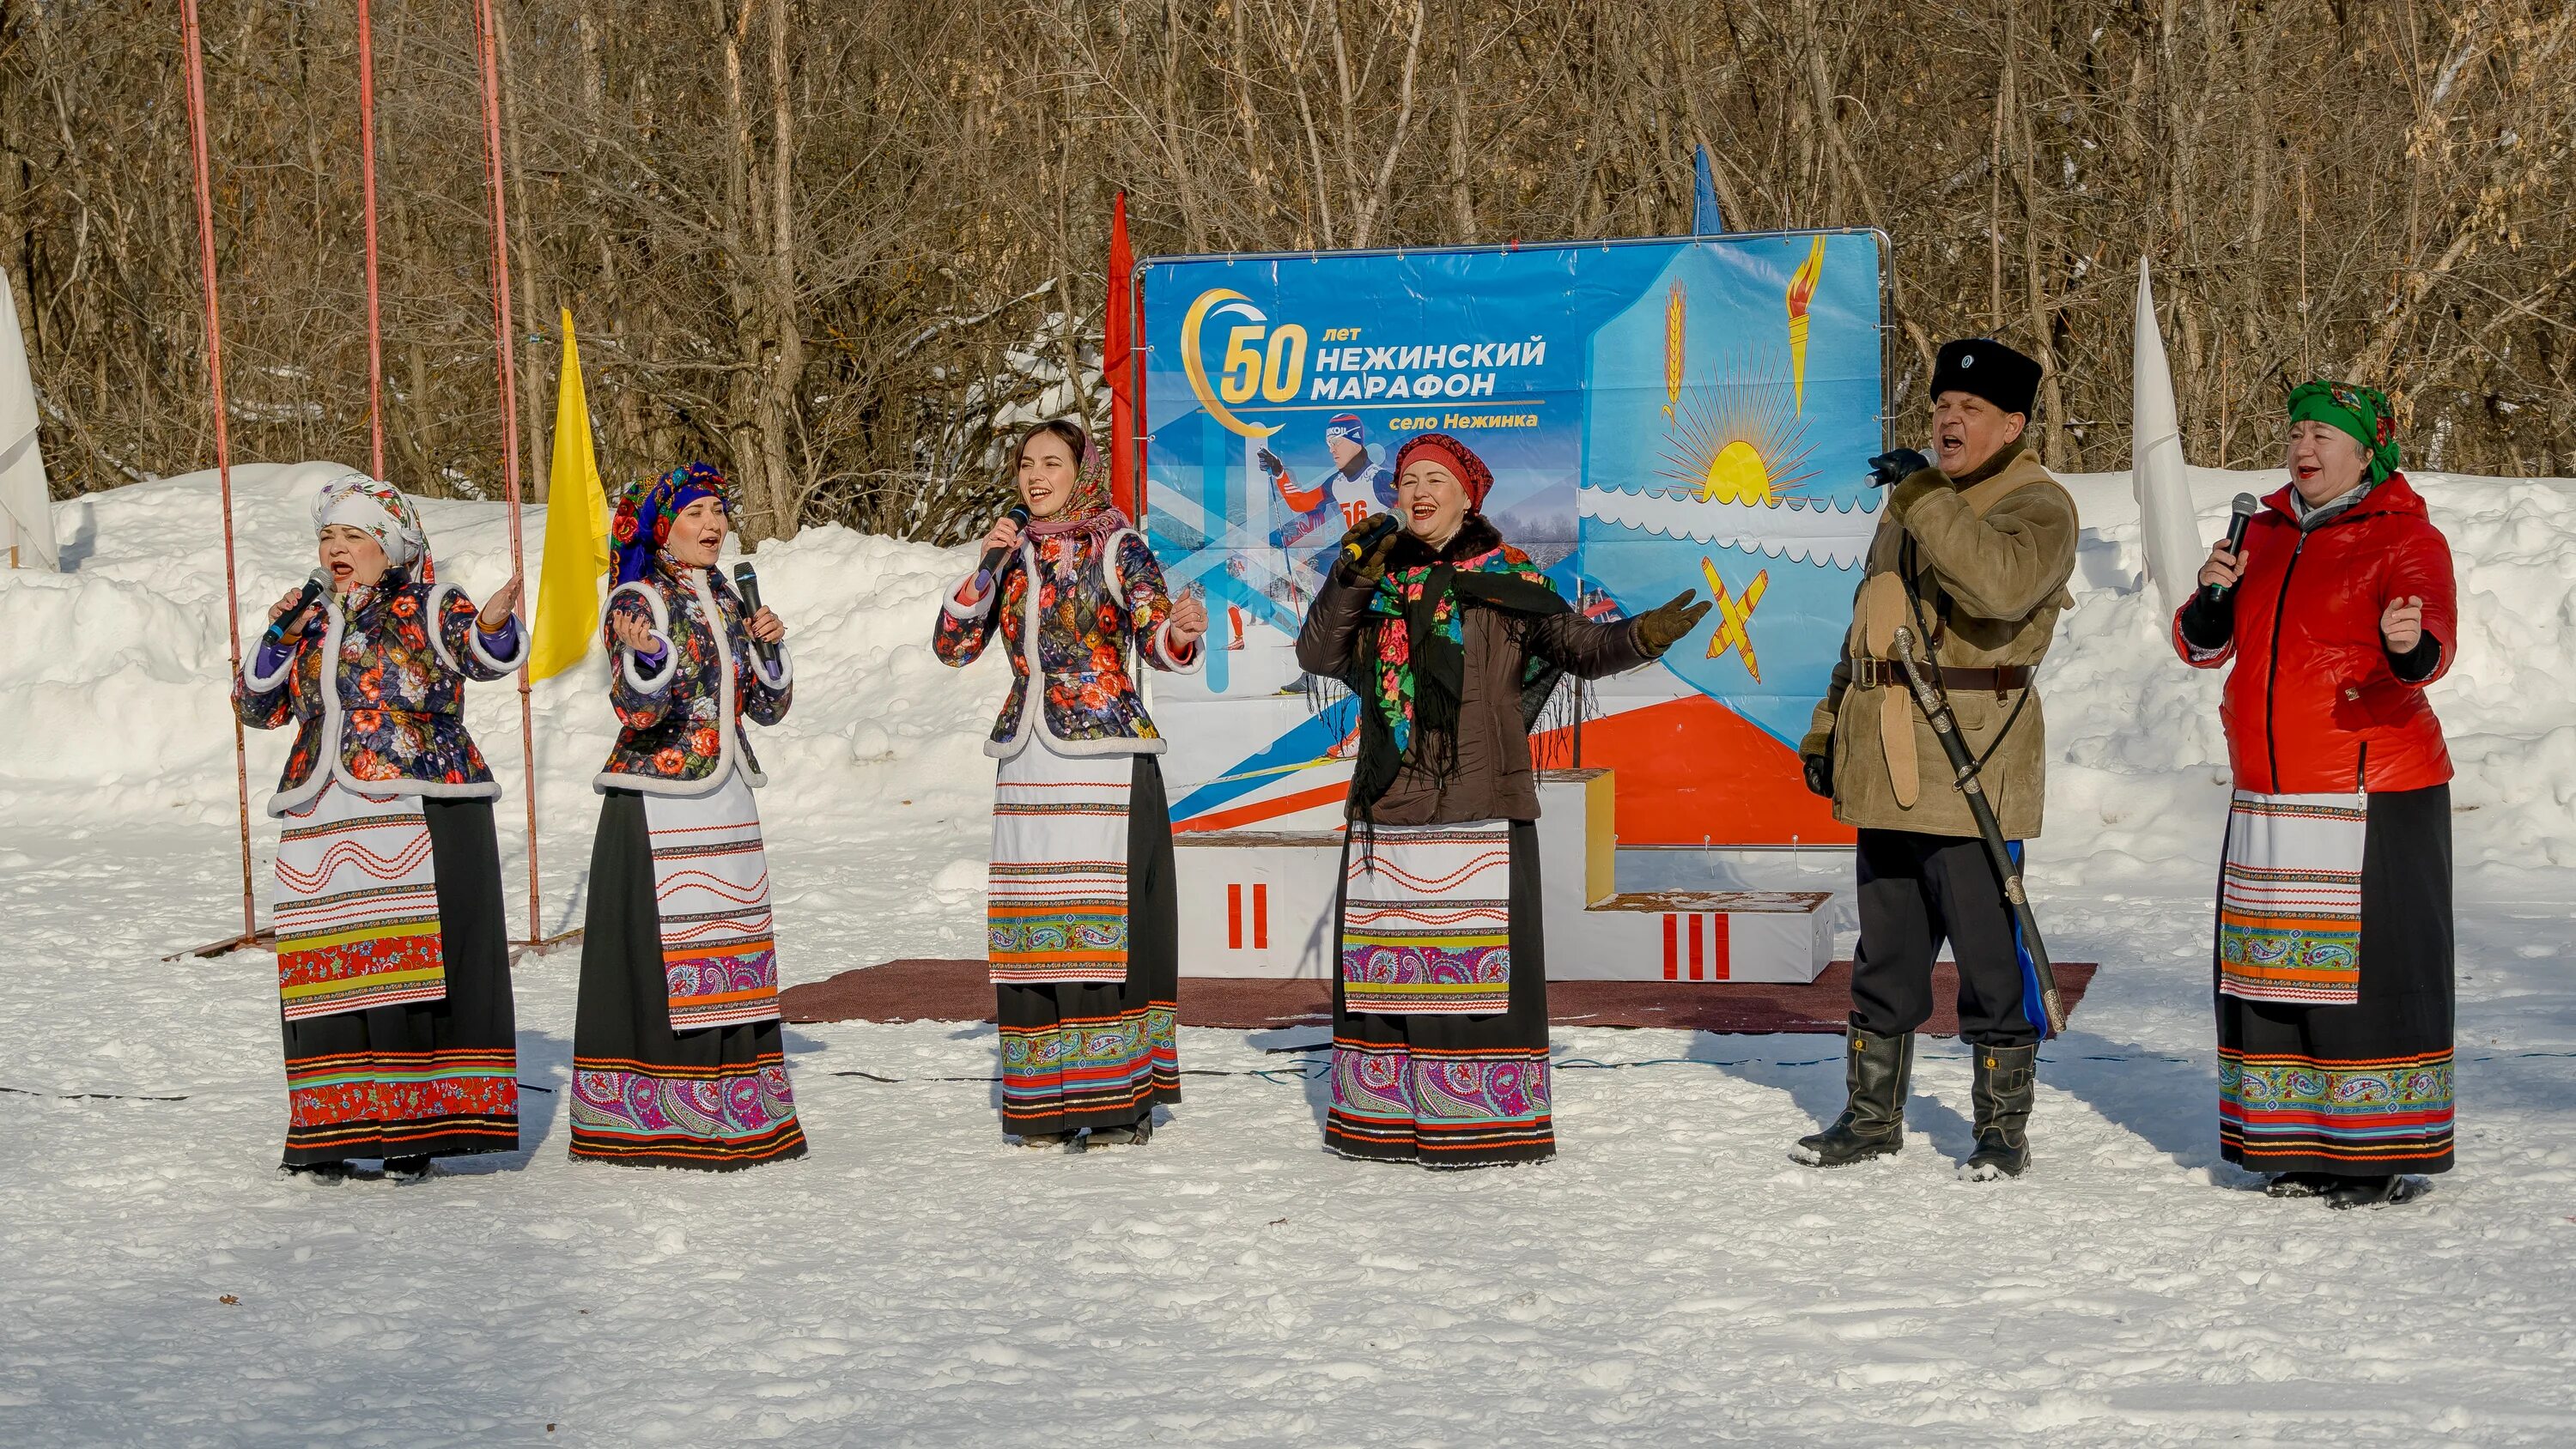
(1453, 455)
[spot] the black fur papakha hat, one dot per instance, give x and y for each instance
(1988, 369)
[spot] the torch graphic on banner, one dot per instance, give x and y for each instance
(1675, 306)
(1802, 290)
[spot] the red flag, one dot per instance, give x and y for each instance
(1117, 344)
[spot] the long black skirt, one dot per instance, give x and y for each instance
(2361, 1090)
(1082, 1055)
(432, 1079)
(1450, 1091)
(715, 1098)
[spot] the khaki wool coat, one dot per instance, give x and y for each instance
(1990, 556)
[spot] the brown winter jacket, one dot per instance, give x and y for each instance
(1991, 553)
(1492, 778)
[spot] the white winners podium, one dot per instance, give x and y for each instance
(1260, 903)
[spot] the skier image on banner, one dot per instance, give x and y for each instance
(1356, 488)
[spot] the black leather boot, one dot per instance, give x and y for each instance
(2007, 1079)
(1878, 1072)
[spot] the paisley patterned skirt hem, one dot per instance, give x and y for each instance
(1447, 1090)
(713, 1099)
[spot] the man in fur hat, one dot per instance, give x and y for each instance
(1973, 551)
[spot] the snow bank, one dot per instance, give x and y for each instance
(111, 677)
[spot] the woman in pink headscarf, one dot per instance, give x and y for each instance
(1084, 925)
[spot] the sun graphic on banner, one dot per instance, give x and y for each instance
(1740, 439)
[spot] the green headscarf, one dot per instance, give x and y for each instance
(2363, 412)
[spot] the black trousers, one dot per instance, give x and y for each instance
(1917, 891)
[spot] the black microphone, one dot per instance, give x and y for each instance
(314, 588)
(1365, 537)
(2241, 516)
(991, 567)
(748, 586)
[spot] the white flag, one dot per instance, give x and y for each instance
(2167, 530)
(26, 510)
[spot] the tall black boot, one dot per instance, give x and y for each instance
(1878, 1072)
(2007, 1080)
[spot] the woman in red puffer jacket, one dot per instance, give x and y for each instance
(2333, 976)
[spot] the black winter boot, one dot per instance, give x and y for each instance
(1878, 1072)
(2371, 1192)
(2007, 1079)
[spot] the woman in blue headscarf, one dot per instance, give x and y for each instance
(676, 1059)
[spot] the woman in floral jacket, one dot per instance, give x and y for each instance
(393, 959)
(1084, 926)
(676, 1059)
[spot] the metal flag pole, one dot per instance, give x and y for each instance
(486, 45)
(194, 60)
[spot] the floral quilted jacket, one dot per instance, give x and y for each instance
(1093, 601)
(681, 712)
(392, 719)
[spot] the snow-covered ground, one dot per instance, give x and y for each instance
(1668, 1279)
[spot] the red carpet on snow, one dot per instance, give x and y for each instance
(957, 991)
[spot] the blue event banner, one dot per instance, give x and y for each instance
(1659, 415)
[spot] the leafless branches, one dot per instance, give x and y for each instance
(842, 249)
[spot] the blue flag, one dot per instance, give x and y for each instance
(1705, 220)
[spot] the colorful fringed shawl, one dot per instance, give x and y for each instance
(1411, 664)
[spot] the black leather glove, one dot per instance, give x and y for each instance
(1661, 628)
(1365, 548)
(1820, 774)
(1270, 463)
(1895, 466)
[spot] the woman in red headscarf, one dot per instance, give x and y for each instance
(1453, 640)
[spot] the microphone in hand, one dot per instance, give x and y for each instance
(747, 584)
(278, 628)
(1366, 546)
(991, 566)
(2240, 517)
(1895, 466)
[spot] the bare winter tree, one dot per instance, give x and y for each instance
(843, 250)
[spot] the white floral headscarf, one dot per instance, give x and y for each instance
(384, 513)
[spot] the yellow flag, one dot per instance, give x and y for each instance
(576, 556)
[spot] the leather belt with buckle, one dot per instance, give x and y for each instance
(1888, 674)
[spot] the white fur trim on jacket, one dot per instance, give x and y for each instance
(660, 679)
(434, 622)
(786, 674)
(729, 735)
(1033, 693)
(948, 601)
(250, 668)
(328, 746)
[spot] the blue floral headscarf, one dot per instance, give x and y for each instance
(644, 513)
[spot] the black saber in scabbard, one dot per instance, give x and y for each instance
(1936, 708)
